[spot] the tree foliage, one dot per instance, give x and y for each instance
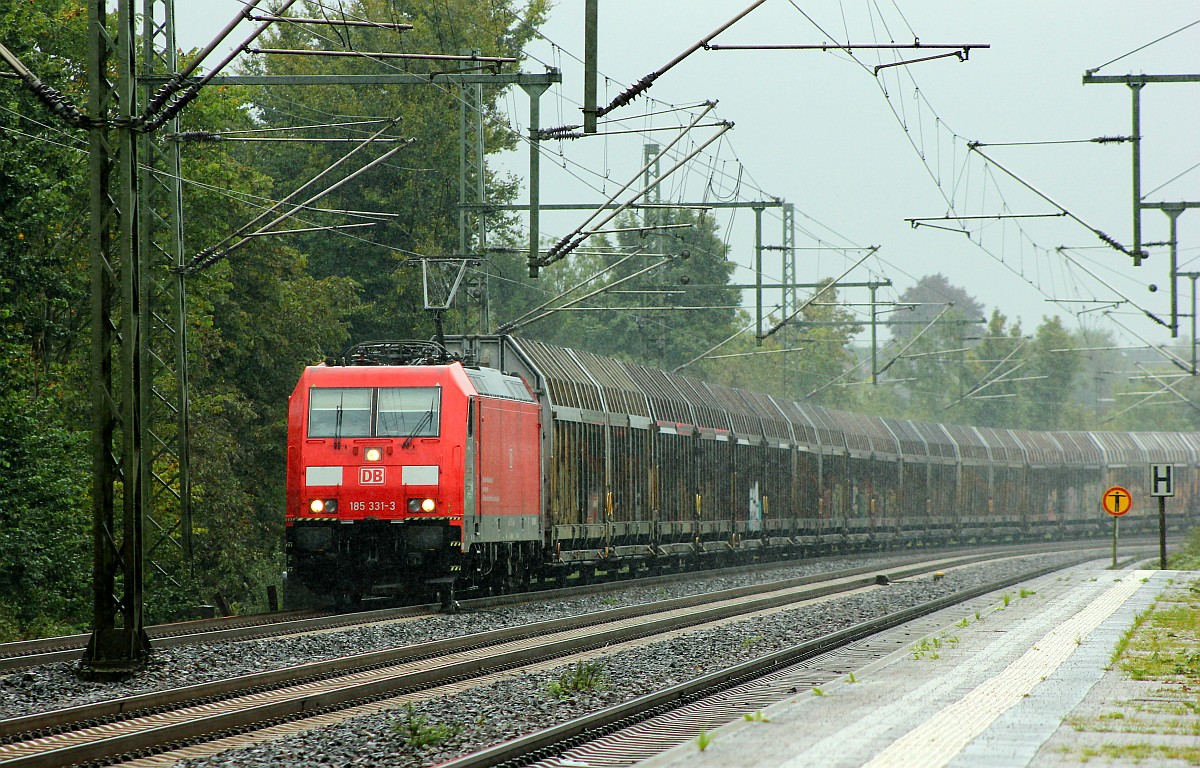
(417, 189)
(44, 455)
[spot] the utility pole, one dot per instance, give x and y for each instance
(1172, 209)
(788, 276)
(874, 337)
(872, 286)
(758, 277)
(165, 471)
(591, 55)
(1192, 276)
(118, 642)
(472, 178)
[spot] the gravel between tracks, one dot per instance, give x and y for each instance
(54, 686)
(477, 718)
(483, 716)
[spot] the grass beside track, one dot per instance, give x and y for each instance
(1160, 654)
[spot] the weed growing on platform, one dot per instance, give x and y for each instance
(1127, 635)
(964, 622)
(756, 717)
(749, 641)
(703, 740)
(1164, 645)
(819, 692)
(418, 732)
(584, 676)
(1122, 753)
(850, 678)
(1024, 593)
(1006, 599)
(927, 649)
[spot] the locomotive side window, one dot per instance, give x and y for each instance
(339, 412)
(409, 412)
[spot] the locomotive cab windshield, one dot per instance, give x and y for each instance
(406, 412)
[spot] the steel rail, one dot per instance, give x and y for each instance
(557, 739)
(150, 721)
(28, 653)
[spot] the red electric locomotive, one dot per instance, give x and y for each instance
(406, 471)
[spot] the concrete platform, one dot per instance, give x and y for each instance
(993, 685)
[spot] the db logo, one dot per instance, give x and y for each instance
(370, 475)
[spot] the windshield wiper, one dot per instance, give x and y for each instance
(337, 428)
(426, 419)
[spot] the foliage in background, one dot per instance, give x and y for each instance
(642, 275)
(254, 320)
(1188, 559)
(418, 188)
(45, 459)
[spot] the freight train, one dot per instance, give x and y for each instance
(490, 460)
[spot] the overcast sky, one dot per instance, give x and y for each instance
(857, 152)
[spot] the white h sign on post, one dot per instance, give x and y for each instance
(1162, 480)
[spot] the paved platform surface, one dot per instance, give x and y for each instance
(1002, 683)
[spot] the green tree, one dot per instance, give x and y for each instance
(45, 518)
(43, 188)
(44, 407)
(928, 297)
(418, 188)
(826, 328)
(999, 355)
(1052, 369)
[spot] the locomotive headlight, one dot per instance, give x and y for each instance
(414, 505)
(427, 505)
(373, 454)
(316, 506)
(421, 505)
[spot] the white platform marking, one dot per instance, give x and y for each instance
(942, 737)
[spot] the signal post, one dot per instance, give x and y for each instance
(1116, 502)
(1162, 485)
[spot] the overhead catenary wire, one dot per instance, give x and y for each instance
(505, 327)
(644, 84)
(170, 100)
(213, 254)
(1140, 48)
(596, 292)
(936, 174)
(568, 243)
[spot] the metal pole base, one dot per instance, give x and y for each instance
(113, 654)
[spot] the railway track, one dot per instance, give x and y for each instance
(628, 733)
(29, 653)
(156, 721)
(69, 648)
